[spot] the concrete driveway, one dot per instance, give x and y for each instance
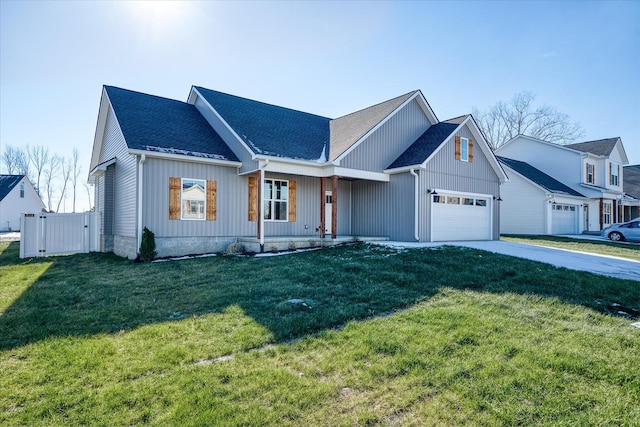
(598, 264)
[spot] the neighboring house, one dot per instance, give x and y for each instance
(631, 187)
(17, 196)
(535, 203)
(219, 168)
(592, 169)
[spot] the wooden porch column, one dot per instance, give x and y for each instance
(322, 208)
(601, 219)
(334, 206)
(259, 197)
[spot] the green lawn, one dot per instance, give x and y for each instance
(621, 250)
(445, 336)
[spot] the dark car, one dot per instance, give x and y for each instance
(629, 230)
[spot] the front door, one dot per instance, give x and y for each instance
(586, 218)
(328, 201)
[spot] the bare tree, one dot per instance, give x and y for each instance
(50, 173)
(15, 160)
(89, 188)
(66, 175)
(505, 120)
(75, 173)
(38, 157)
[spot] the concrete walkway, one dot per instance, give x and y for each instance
(598, 264)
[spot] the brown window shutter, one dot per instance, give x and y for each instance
(610, 175)
(457, 148)
(470, 150)
(253, 198)
(211, 200)
(292, 201)
(586, 173)
(618, 175)
(174, 197)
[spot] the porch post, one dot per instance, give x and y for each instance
(601, 212)
(259, 203)
(322, 208)
(334, 206)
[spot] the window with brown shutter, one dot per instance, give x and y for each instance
(174, 197)
(457, 148)
(211, 200)
(292, 201)
(253, 198)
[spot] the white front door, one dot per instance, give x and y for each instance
(328, 201)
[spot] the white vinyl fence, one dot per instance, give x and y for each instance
(47, 234)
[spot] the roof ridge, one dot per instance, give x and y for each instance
(143, 93)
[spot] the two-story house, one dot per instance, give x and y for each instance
(562, 189)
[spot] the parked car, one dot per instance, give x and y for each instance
(629, 230)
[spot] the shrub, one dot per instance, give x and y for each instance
(148, 245)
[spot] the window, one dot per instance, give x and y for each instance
(481, 202)
(591, 174)
(466, 201)
(438, 199)
(614, 171)
(464, 149)
(22, 190)
(451, 200)
(606, 213)
(276, 197)
(193, 198)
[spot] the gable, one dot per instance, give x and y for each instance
(8, 183)
(538, 177)
(271, 130)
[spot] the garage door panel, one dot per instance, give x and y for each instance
(469, 219)
(564, 219)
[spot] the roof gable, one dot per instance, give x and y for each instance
(8, 183)
(538, 177)
(631, 180)
(271, 130)
(156, 124)
(425, 145)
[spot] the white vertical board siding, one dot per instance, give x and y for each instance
(523, 209)
(444, 172)
(124, 199)
(229, 138)
(390, 140)
(344, 207)
(384, 208)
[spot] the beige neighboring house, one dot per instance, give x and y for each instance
(17, 196)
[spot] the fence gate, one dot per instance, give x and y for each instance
(47, 234)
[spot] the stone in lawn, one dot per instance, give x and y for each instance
(296, 302)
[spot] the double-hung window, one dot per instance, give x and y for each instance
(194, 198)
(276, 199)
(606, 213)
(591, 173)
(22, 190)
(614, 171)
(464, 149)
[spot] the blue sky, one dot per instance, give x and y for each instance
(327, 58)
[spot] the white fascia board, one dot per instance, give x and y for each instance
(358, 174)
(318, 170)
(275, 159)
(184, 158)
(486, 150)
(223, 121)
(376, 127)
(101, 122)
(620, 145)
(424, 104)
(404, 169)
(462, 193)
(102, 167)
(539, 141)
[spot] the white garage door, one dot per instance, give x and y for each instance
(564, 219)
(460, 217)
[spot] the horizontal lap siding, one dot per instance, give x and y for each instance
(384, 208)
(444, 172)
(386, 144)
(124, 179)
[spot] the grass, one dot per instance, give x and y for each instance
(392, 337)
(622, 250)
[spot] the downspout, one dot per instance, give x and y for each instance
(140, 175)
(416, 223)
(261, 198)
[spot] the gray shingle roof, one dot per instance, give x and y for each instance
(425, 145)
(153, 123)
(600, 147)
(537, 176)
(7, 183)
(347, 130)
(271, 130)
(631, 180)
